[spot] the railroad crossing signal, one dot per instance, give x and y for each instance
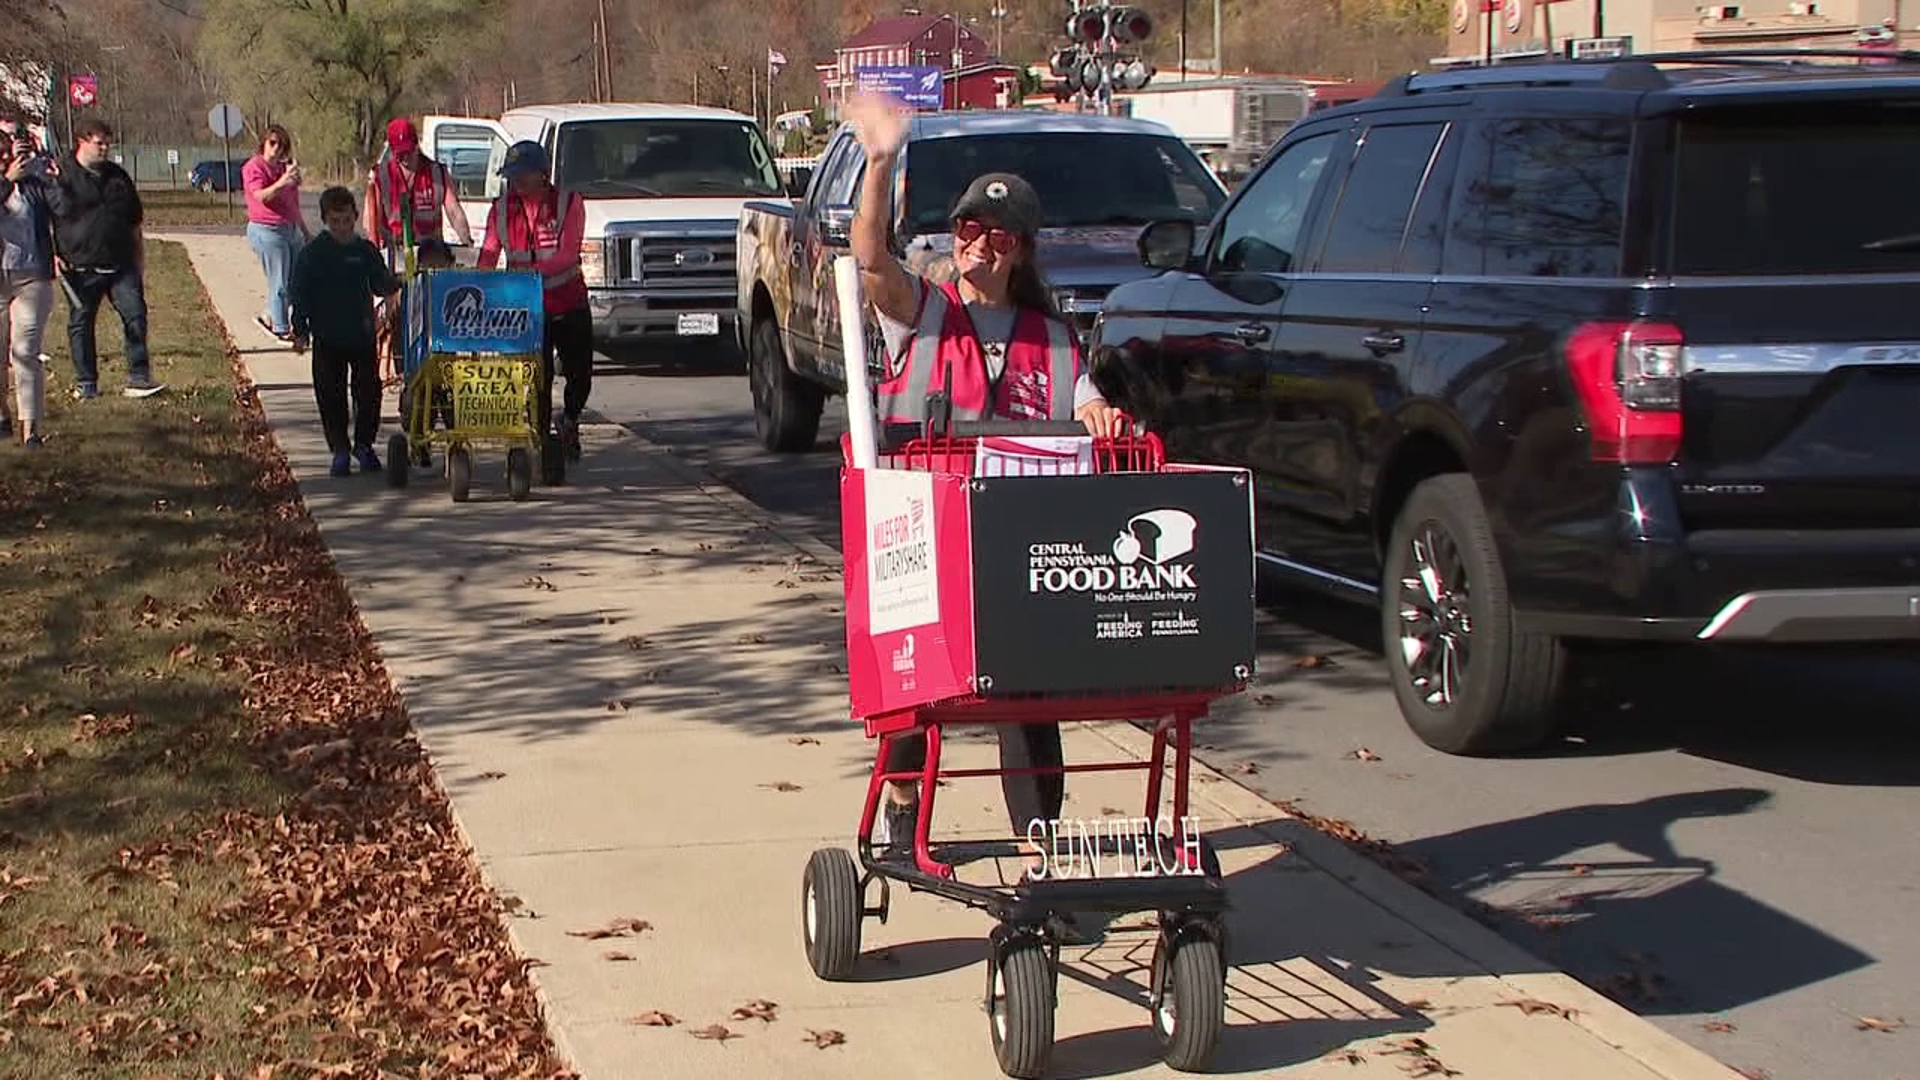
(1097, 64)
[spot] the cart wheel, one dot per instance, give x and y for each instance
(553, 462)
(459, 473)
(519, 474)
(398, 462)
(1190, 1006)
(830, 914)
(1020, 1010)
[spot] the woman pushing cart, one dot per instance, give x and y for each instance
(1016, 558)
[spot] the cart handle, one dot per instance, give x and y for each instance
(975, 428)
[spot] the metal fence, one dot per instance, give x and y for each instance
(159, 165)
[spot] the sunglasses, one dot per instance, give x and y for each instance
(967, 230)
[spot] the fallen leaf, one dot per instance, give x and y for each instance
(1364, 754)
(1418, 1004)
(717, 1032)
(1112, 812)
(492, 774)
(538, 582)
(1244, 768)
(1530, 1006)
(616, 928)
(616, 955)
(1580, 870)
(1351, 1057)
(1875, 1023)
(804, 740)
(617, 706)
(1313, 660)
(824, 1039)
(782, 785)
(757, 1009)
(1718, 1027)
(655, 1018)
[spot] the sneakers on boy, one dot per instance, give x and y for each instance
(85, 392)
(142, 386)
(342, 464)
(369, 461)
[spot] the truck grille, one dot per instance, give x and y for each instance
(675, 269)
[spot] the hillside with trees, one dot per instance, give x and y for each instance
(334, 70)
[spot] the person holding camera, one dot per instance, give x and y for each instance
(26, 283)
(276, 226)
(102, 255)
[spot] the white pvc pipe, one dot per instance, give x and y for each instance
(853, 350)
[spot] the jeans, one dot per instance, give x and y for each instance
(25, 303)
(125, 291)
(276, 245)
(342, 374)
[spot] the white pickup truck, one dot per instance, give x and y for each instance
(665, 186)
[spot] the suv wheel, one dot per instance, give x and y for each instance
(786, 408)
(1468, 681)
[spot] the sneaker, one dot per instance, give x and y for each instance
(142, 387)
(85, 392)
(369, 461)
(33, 442)
(342, 464)
(898, 825)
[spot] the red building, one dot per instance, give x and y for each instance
(972, 76)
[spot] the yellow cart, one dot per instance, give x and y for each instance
(473, 366)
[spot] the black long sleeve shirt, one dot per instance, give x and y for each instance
(333, 288)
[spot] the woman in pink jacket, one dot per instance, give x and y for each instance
(276, 225)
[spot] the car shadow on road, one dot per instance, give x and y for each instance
(1572, 885)
(672, 359)
(1742, 707)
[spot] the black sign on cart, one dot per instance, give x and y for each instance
(1116, 583)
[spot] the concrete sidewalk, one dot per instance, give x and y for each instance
(632, 689)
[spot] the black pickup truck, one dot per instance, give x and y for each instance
(1100, 180)
(1547, 353)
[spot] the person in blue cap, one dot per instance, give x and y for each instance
(539, 229)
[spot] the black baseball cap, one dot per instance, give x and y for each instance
(1003, 198)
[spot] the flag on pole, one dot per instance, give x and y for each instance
(776, 60)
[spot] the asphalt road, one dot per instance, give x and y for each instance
(1726, 843)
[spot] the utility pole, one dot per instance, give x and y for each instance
(606, 56)
(1183, 40)
(1219, 66)
(999, 14)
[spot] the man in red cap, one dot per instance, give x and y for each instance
(407, 183)
(411, 179)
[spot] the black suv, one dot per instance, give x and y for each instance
(1544, 352)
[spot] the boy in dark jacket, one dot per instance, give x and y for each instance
(334, 281)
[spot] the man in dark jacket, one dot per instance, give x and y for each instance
(96, 234)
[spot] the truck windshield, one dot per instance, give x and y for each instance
(665, 158)
(1084, 178)
(1756, 189)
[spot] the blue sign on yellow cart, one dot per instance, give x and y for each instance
(489, 312)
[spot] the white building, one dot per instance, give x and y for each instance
(1515, 29)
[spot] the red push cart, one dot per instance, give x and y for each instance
(1017, 573)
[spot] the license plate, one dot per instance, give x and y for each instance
(699, 324)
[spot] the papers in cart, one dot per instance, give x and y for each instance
(1034, 455)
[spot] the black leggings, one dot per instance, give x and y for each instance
(569, 351)
(1022, 746)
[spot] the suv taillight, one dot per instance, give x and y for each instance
(1628, 379)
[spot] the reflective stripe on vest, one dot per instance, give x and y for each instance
(519, 259)
(425, 224)
(905, 396)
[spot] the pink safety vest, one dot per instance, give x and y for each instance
(428, 191)
(564, 290)
(1043, 363)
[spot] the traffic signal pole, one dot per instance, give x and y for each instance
(1098, 63)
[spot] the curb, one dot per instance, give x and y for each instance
(1527, 976)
